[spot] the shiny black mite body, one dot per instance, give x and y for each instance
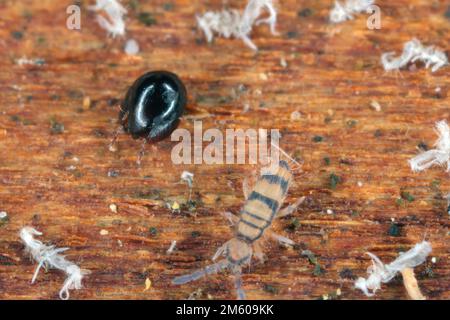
(153, 106)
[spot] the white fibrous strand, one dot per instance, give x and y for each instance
(381, 273)
(172, 247)
(414, 51)
(232, 23)
(438, 156)
(114, 25)
(344, 12)
(50, 257)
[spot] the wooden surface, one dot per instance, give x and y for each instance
(57, 180)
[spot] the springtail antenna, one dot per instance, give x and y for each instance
(286, 154)
(211, 269)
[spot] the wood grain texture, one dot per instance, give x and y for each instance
(58, 182)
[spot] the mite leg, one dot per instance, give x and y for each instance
(290, 208)
(112, 144)
(118, 131)
(231, 217)
(141, 153)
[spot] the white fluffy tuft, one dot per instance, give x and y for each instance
(115, 25)
(438, 156)
(49, 257)
(414, 51)
(231, 23)
(341, 13)
(381, 273)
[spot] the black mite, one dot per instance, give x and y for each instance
(152, 107)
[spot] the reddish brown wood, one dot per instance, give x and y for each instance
(332, 75)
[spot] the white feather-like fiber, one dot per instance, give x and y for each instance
(414, 51)
(344, 12)
(439, 156)
(232, 23)
(50, 257)
(381, 273)
(115, 25)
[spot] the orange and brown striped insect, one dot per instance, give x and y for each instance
(261, 207)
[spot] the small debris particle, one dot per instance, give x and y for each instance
(112, 148)
(113, 173)
(25, 61)
(86, 103)
(175, 206)
(295, 116)
(310, 255)
(56, 127)
(196, 294)
(447, 13)
(283, 62)
(104, 232)
(4, 218)
(153, 231)
(263, 76)
(428, 272)
(394, 230)
(329, 211)
(271, 289)
(327, 161)
(294, 225)
(317, 138)
(334, 181)
(423, 146)
(113, 207)
(346, 161)
(172, 247)
(146, 18)
(305, 13)
(168, 6)
(351, 123)
(378, 133)
(292, 34)
(433, 260)
(375, 106)
(195, 234)
(407, 196)
(190, 205)
(148, 284)
(318, 271)
(131, 47)
(359, 184)
(18, 35)
(347, 273)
